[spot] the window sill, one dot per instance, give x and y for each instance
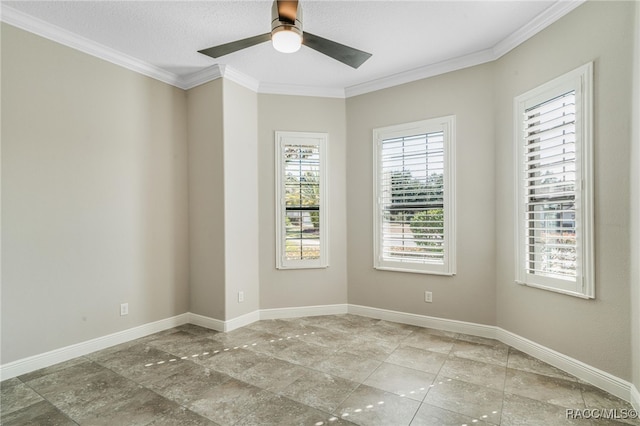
(414, 271)
(557, 290)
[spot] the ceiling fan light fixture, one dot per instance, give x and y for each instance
(286, 39)
(286, 36)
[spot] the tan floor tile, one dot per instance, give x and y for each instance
(233, 362)
(138, 408)
(371, 347)
(283, 411)
(432, 342)
(402, 381)
(480, 352)
(320, 390)
(428, 415)
(372, 407)
(189, 385)
(472, 400)
(325, 370)
(564, 393)
(521, 361)
(231, 401)
(55, 368)
(595, 398)
(41, 413)
(521, 411)
(272, 374)
(418, 359)
(479, 373)
(15, 395)
(347, 365)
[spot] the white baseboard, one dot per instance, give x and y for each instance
(26, 365)
(455, 326)
(241, 321)
(219, 325)
(303, 311)
(601, 379)
(635, 398)
(35, 362)
(265, 314)
(206, 322)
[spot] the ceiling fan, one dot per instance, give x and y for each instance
(287, 36)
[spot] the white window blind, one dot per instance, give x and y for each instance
(413, 189)
(554, 243)
(300, 212)
(550, 165)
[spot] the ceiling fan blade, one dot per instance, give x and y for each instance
(345, 54)
(234, 46)
(287, 10)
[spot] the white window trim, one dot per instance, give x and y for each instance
(447, 125)
(580, 80)
(304, 138)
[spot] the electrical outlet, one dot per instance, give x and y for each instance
(240, 296)
(428, 296)
(124, 309)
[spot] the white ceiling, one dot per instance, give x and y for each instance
(408, 39)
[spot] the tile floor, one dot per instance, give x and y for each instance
(325, 370)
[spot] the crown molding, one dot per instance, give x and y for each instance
(203, 76)
(421, 73)
(218, 71)
(295, 90)
(240, 78)
(49, 31)
(539, 23)
(44, 29)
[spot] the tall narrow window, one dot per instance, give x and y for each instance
(554, 163)
(414, 197)
(301, 222)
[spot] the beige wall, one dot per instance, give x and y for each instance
(635, 210)
(483, 291)
(596, 332)
(241, 199)
(223, 199)
(104, 200)
(294, 288)
(94, 197)
(206, 200)
(470, 294)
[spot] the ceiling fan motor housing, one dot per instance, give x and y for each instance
(286, 16)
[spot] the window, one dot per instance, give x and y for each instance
(414, 207)
(301, 191)
(554, 247)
